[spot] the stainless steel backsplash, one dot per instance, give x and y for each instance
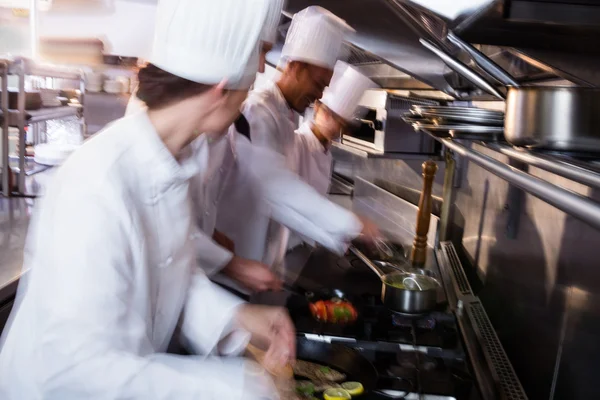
(541, 288)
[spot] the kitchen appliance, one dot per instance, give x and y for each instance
(382, 129)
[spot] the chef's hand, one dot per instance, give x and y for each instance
(370, 231)
(224, 241)
(254, 275)
(271, 329)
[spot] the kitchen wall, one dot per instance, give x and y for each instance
(541, 288)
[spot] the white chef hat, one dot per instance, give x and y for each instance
(316, 36)
(269, 34)
(345, 90)
(207, 41)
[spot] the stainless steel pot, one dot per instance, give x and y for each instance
(413, 292)
(554, 118)
(409, 293)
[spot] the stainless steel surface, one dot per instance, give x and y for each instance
(483, 61)
(24, 68)
(564, 119)
(441, 119)
(491, 365)
(457, 111)
(463, 69)
(5, 143)
(551, 164)
(458, 128)
(497, 359)
(448, 257)
(392, 214)
(578, 206)
(383, 131)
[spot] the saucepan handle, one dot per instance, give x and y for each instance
(366, 260)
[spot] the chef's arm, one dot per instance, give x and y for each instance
(296, 204)
(211, 256)
(208, 324)
(90, 325)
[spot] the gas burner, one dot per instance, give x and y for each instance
(405, 321)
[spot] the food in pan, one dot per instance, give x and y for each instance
(317, 373)
(305, 388)
(335, 310)
(410, 282)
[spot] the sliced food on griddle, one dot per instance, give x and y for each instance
(317, 372)
(323, 386)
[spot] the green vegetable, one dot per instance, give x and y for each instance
(305, 389)
(325, 369)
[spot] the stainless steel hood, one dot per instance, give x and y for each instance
(386, 46)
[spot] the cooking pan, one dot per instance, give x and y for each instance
(551, 118)
(405, 292)
(351, 362)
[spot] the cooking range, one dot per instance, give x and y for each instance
(416, 357)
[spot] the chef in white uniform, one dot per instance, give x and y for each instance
(333, 115)
(215, 251)
(110, 257)
(312, 46)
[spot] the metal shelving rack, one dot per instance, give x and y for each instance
(565, 200)
(21, 118)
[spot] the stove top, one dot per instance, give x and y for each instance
(416, 357)
(379, 328)
(414, 375)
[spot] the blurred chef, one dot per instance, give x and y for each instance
(237, 173)
(333, 115)
(312, 46)
(110, 253)
(215, 251)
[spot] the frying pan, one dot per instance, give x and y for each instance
(343, 359)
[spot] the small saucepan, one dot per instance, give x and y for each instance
(407, 292)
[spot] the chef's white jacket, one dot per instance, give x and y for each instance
(314, 167)
(260, 187)
(243, 186)
(111, 260)
(216, 161)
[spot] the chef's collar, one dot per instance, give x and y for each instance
(282, 103)
(162, 168)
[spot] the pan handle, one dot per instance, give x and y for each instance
(489, 66)
(462, 69)
(366, 260)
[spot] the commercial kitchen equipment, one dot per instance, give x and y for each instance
(26, 69)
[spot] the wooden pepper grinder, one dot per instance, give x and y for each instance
(418, 255)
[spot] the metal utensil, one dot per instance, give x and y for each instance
(483, 61)
(463, 69)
